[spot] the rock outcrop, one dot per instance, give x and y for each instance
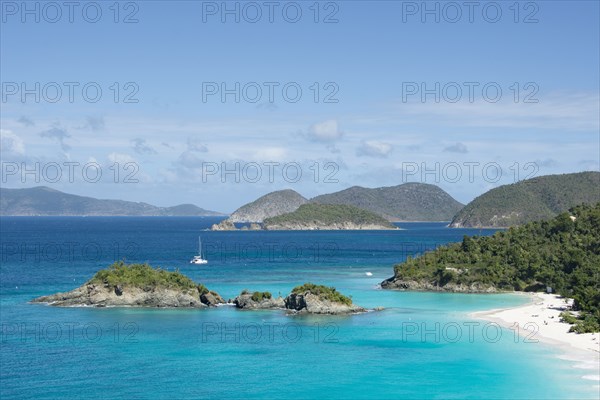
(319, 226)
(99, 295)
(253, 227)
(302, 300)
(211, 298)
(228, 225)
(424, 286)
(225, 225)
(314, 304)
(249, 301)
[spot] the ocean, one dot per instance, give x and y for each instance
(421, 345)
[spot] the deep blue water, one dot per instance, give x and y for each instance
(423, 345)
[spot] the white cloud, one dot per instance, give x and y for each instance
(326, 131)
(547, 163)
(271, 154)
(374, 148)
(11, 143)
(120, 158)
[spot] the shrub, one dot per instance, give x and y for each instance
(143, 275)
(567, 317)
(259, 296)
(323, 292)
(586, 324)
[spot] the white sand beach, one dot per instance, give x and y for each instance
(542, 313)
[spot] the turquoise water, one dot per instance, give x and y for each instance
(422, 345)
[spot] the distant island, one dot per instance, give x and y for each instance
(136, 285)
(44, 201)
(530, 200)
(562, 254)
(406, 202)
(509, 205)
(313, 216)
(327, 217)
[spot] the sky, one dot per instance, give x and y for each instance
(218, 103)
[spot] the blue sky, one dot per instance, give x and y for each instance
(369, 124)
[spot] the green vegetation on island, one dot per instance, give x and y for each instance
(530, 200)
(581, 323)
(305, 299)
(323, 292)
(407, 202)
(328, 216)
(259, 296)
(143, 275)
(562, 253)
(136, 285)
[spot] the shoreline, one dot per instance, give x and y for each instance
(543, 310)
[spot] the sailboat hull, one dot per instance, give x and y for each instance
(198, 259)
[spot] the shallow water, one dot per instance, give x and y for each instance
(422, 345)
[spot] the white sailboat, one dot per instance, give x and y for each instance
(198, 259)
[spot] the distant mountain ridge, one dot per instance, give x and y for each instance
(534, 199)
(44, 201)
(405, 202)
(270, 205)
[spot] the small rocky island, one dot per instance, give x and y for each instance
(258, 301)
(140, 285)
(328, 217)
(313, 216)
(228, 225)
(136, 285)
(304, 299)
